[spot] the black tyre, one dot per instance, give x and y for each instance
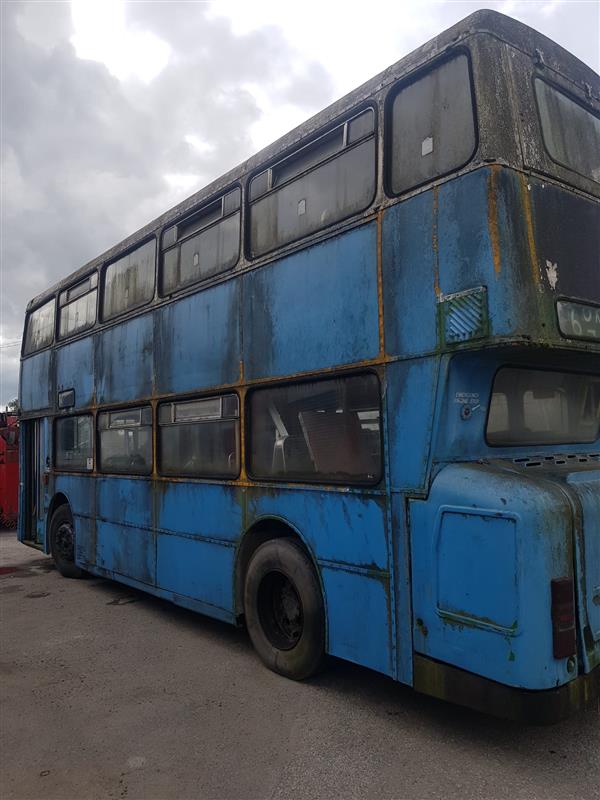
(62, 543)
(283, 605)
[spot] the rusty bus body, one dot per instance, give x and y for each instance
(431, 239)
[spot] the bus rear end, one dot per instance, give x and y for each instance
(506, 546)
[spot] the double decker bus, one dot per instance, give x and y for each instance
(349, 393)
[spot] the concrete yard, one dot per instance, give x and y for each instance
(109, 693)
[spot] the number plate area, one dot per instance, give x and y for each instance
(578, 321)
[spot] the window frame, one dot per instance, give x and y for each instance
(352, 485)
(574, 99)
(312, 139)
(163, 248)
(60, 306)
(81, 470)
(98, 444)
(525, 445)
(181, 401)
(25, 353)
(388, 129)
(102, 317)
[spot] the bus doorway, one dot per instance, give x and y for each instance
(33, 507)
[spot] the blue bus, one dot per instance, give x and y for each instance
(348, 394)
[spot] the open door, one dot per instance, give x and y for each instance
(34, 467)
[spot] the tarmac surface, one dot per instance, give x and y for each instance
(109, 693)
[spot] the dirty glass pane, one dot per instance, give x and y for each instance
(77, 315)
(209, 253)
(432, 126)
(129, 282)
(316, 199)
(200, 449)
(320, 431)
(74, 443)
(200, 438)
(543, 407)
(308, 156)
(571, 134)
(126, 441)
(40, 328)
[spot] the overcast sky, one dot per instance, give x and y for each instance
(112, 112)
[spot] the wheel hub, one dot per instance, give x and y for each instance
(64, 541)
(280, 610)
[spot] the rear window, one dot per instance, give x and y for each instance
(571, 133)
(543, 407)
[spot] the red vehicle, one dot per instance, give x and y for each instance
(9, 470)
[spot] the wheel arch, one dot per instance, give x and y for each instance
(263, 530)
(59, 499)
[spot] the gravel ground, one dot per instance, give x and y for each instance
(109, 693)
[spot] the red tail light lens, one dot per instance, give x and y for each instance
(563, 618)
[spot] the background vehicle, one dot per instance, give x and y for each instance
(350, 391)
(9, 470)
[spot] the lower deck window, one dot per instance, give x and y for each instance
(327, 430)
(125, 440)
(543, 407)
(200, 438)
(74, 443)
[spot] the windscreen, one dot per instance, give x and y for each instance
(543, 407)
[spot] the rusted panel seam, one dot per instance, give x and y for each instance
(369, 572)
(380, 284)
(528, 216)
(493, 217)
(435, 244)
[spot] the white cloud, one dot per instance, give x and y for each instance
(101, 34)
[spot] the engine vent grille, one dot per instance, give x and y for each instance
(541, 461)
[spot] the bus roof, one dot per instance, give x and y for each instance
(498, 25)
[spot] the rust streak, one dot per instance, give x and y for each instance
(493, 218)
(243, 476)
(526, 200)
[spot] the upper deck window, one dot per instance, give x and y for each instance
(571, 133)
(129, 282)
(40, 328)
(319, 184)
(202, 245)
(77, 307)
(433, 128)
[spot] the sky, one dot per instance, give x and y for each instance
(112, 112)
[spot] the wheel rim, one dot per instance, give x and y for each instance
(280, 611)
(64, 542)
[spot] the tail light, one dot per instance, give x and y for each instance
(564, 638)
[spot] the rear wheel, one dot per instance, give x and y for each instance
(62, 543)
(284, 611)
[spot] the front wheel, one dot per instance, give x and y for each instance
(62, 543)
(284, 610)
